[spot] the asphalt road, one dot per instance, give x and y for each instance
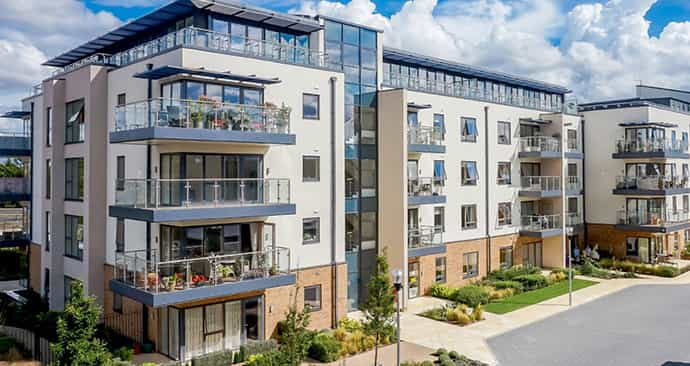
(645, 325)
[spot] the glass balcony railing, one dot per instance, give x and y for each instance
(651, 217)
(650, 145)
(424, 135)
(152, 275)
(204, 114)
(541, 222)
(573, 219)
(652, 182)
(13, 224)
(423, 237)
(182, 193)
(538, 184)
(539, 144)
(425, 187)
(12, 133)
(15, 185)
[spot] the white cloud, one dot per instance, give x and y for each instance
(131, 3)
(604, 50)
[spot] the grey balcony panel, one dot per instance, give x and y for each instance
(14, 242)
(425, 200)
(200, 293)
(199, 134)
(540, 154)
(651, 154)
(205, 213)
(368, 204)
(653, 228)
(423, 148)
(651, 192)
(573, 192)
(367, 151)
(15, 146)
(420, 252)
(575, 155)
(541, 234)
(540, 194)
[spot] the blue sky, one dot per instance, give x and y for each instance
(663, 12)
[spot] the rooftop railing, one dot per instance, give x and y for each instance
(539, 144)
(651, 217)
(651, 145)
(425, 135)
(541, 222)
(183, 193)
(204, 114)
(652, 182)
(538, 184)
(425, 186)
(423, 237)
(145, 271)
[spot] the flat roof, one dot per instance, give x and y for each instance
(392, 54)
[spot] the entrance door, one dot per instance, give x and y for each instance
(532, 254)
(412, 177)
(413, 280)
(413, 227)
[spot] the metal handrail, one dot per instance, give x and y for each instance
(425, 186)
(425, 135)
(650, 145)
(541, 222)
(652, 182)
(538, 183)
(652, 217)
(539, 144)
(424, 236)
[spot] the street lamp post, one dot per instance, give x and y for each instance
(570, 231)
(398, 284)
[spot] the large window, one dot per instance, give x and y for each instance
(439, 219)
(503, 177)
(74, 125)
(572, 140)
(193, 90)
(505, 214)
(469, 173)
(312, 297)
(310, 106)
(74, 179)
(506, 257)
(469, 129)
(440, 270)
(439, 172)
(470, 265)
(469, 216)
(120, 179)
(311, 230)
(311, 171)
(504, 133)
(120, 235)
(74, 236)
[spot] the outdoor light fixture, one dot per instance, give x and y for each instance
(397, 275)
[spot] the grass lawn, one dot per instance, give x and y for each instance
(533, 297)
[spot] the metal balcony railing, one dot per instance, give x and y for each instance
(203, 114)
(573, 219)
(427, 186)
(651, 217)
(540, 144)
(12, 133)
(652, 182)
(424, 236)
(650, 145)
(424, 135)
(161, 193)
(541, 222)
(148, 273)
(538, 184)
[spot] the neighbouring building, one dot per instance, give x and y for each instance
(207, 165)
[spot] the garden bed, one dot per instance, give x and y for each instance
(522, 300)
(659, 270)
(458, 314)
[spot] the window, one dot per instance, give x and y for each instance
(49, 178)
(505, 214)
(503, 133)
(686, 204)
(572, 140)
(470, 265)
(49, 126)
(572, 205)
(74, 237)
(439, 124)
(46, 283)
(311, 230)
(117, 303)
(469, 216)
(121, 99)
(74, 127)
(312, 297)
(74, 179)
(439, 172)
(686, 171)
(440, 270)
(506, 257)
(120, 235)
(572, 169)
(503, 177)
(310, 106)
(439, 219)
(311, 171)
(49, 230)
(469, 129)
(120, 180)
(469, 173)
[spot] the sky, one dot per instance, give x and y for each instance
(598, 48)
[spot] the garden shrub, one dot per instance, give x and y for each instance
(124, 353)
(440, 352)
(417, 363)
(324, 347)
(271, 358)
(350, 325)
(509, 274)
(532, 281)
(472, 295)
(258, 347)
(556, 277)
(221, 358)
(477, 313)
(464, 319)
(514, 285)
(666, 271)
(495, 294)
(443, 291)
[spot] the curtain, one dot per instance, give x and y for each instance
(233, 324)
(194, 332)
(214, 324)
(163, 313)
(174, 333)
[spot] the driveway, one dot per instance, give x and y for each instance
(643, 325)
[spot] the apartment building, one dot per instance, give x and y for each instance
(637, 175)
(207, 165)
(482, 171)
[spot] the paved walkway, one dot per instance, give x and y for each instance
(387, 356)
(471, 340)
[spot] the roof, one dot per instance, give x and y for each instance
(645, 124)
(16, 114)
(166, 71)
(407, 57)
(175, 10)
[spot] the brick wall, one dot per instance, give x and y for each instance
(35, 267)
(611, 239)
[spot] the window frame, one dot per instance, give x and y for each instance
(468, 225)
(442, 215)
(120, 169)
(72, 232)
(79, 126)
(119, 235)
(316, 221)
(465, 171)
(501, 255)
(318, 106)
(507, 220)
(70, 180)
(437, 265)
(319, 295)
(317, 176)
(501, 126)
(504, 181)
(117, 304)
(48, 217)
(49, 126)
(49, 178)
(469, 137)
(466, 266)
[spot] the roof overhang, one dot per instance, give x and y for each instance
(534, 121)
(648, 124)
(168, 71)
(414, 105)
(16, 114)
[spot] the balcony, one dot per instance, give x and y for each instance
(651, 185)
(172, 120)
(650, 148)
(573, 219)
(548, 187)
(540, 147)
(143, 277)
(164, 200)
(14, 227)
(425, 191)
(652, 220)
(541, 226)
(424, 240)
(15, 189)
(425, 139)
(15, 143)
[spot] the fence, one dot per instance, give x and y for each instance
(38, 347)
(128, 325)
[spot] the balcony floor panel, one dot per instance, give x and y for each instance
(425, 200)
(540, 154)
(669, 228)
(651, 155)
(170, 214)
(423, 251)
(160, 135)
(161, 299)
(651, 192)
(541, 234)
(423, 148)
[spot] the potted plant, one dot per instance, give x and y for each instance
(168, 282)
(152, 280)
(227, 273)
(273, 270)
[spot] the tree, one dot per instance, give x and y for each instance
(76, 329)
(12, 168)
(379, 309)
(295, 338)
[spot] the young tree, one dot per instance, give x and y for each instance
(76, 330)
(295, 338)
(379, 309)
